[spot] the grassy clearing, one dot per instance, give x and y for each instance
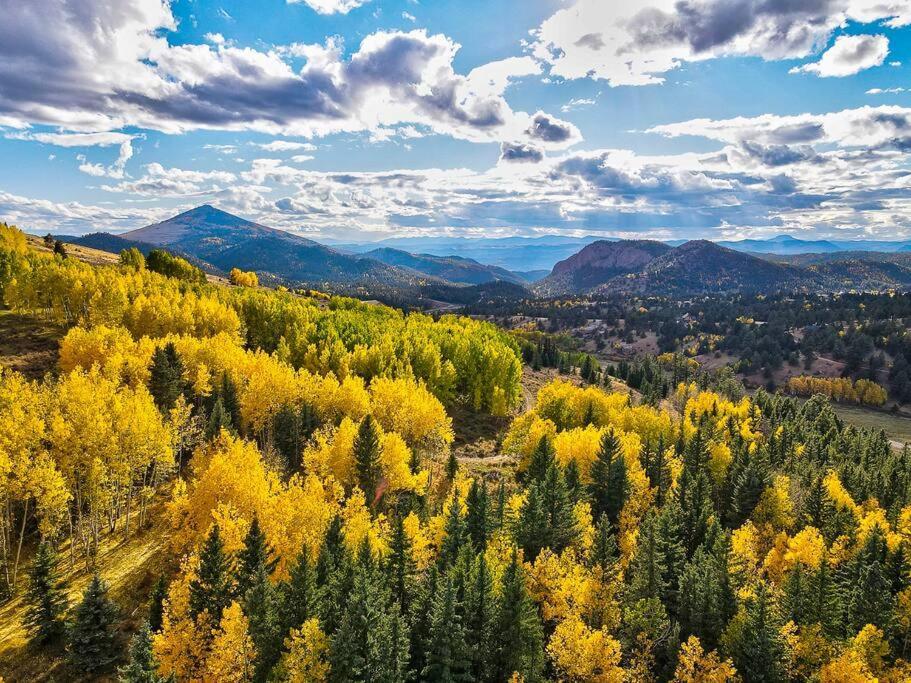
(896, 426)
(29, 344)
(130, 568)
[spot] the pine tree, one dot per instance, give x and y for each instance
(452, 466)
(265, 624)
(605, 554)
(531, 527)
(673, 555)
(867, 588)
(212, 589)
(367, 458)
(706, 601)
(156, 604)
(477, 522)
(286, 428)
(541, 458)
(478, 615)
(646, 570)
(447, 657)
(609, 486)
(558, 508)
(45, 599)
(142, 667)
(455, 534)
(519, 646)
(371, 643)
(755, 642)
(166, 381)
(573, 478)
(228, 394)
(748, 487)
(92, 638)
(218, 419)
(300, 593)
(400, 567)
(255, 555)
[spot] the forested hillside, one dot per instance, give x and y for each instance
(292, 455)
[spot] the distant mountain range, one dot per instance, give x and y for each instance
(218, 241)
(700, 266)
(542, 253)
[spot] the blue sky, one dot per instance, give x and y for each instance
(364, 119)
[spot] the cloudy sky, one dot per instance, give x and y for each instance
(363, 119)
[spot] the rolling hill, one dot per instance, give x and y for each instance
(454, 269)
(597, 263)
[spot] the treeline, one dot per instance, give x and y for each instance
(862, 392)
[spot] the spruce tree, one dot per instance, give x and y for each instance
(45, 599)
(558, 508)
(646, 570)
(541, 458)
(605, 554)
(867, 588)
(531, 527)
(479, 608)
(156, 604)
(452, 466)
(400, 567)
(367, 458)
(755, 642)
(519, 644)
(455, 534)
(447, 656)
(748, 487)
(218, 419)
(286, 428)
(92, 638)
(255, 555)
(142, 667)
(609, 486)
(228, 394)
(371, 643)
(477, 522)
(265, 623)
(213, 589)
(300, 593)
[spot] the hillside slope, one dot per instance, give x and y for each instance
(454, 269)
(597, 263)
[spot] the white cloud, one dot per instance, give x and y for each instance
(884, 91)
(637, 43)
(285, 146)
(331, 6)
(847, 56)
(110, 66)
(407, 16)
(159, 181)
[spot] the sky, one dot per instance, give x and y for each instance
(356, 120)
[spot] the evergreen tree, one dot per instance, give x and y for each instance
(166, 381)
(749, 485)
(265, 623)
(255, 555)
(92, 644)
(609, 487)
(400, 567)
(531, 527)
(45, 599)
(371, 643)
(300, 593)
(477, 523)
(156, 604)
(456, 534)
(478, 614)
(755, 642)
(142, 667)
(420, 620)
(452, 466)
(228, 394)
(519, 646)
(646, 570)
(605, 554)
(558, 509)
(212, 589)
(447, 656)
(218, 419)
(574, 481)
(867, 588)
(541, 458)
(668, 528)
(706, 601)
(286, 428)
(367, 458)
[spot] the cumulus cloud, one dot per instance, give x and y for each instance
(286, 146)
(331, 6)
(512, 152)
(41, 215)
(847, 56)
(158, 181)
(637, 43)
(97, 65)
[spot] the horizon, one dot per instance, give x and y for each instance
(354, 121)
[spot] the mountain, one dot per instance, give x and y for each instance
(700, 266)
(105, 241)
(226, 241)
(511, 253)
(782, 244)
(597, 263)
(450, 268)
